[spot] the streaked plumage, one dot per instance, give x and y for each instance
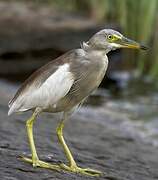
(60, 82)
(63, 84)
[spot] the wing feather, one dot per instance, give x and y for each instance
(51, 91)
(45, 87)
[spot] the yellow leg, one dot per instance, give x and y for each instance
(29, 125)
(35, 160)
(72, 164)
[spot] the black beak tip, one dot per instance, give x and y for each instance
(143, 47)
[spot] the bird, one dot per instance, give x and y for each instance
(62, 85)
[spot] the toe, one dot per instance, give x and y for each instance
(93, 171)
(39, 163)
(90, 172)
(29, 160)
(76, 169)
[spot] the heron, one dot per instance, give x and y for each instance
(62, 85)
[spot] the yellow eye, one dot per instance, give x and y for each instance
(110, 37)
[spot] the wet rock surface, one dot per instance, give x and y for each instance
(92, 139)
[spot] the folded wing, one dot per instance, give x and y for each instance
(43, 92)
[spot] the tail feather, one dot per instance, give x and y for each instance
(10, 111)
(14, 106)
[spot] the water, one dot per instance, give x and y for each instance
(137, 106)
(133, 108)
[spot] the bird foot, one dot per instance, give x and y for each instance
(39, 163)
(62, 167)
(84, 171)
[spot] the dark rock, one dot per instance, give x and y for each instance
(25, 26)
(32, 35)
(93, 141)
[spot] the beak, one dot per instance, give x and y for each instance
(128, 43)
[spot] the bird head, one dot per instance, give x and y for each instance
(108, 39)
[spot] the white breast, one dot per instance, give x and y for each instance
(51, 91)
